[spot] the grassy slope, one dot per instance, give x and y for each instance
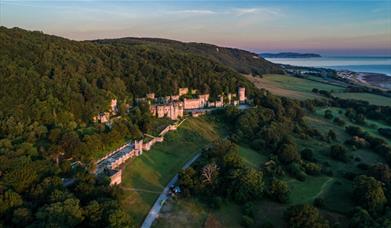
(293, 87)
(300, 88)
(371, 98)
(145, 177)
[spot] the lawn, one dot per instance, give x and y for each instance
(252, 157)
(293, 87)
(371, 98)
(306, 191)
(146, 176)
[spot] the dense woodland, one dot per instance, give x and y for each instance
(239, 60)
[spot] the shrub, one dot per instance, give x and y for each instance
(339, 121)
(307, 154)
(338, 152)
(279, 190)
(312, 168)
(304, 216)
(328, 114)
(369, 193)
(247, 221)
(248, 209)
(319, 202)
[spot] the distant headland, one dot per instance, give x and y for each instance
(289, 55)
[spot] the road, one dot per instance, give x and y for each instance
(157, 206)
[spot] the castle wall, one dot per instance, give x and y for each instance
(194, 103)
(116, 178)
(173, 111)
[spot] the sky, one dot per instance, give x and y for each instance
(333, 27)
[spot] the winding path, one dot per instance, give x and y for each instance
(157, 206)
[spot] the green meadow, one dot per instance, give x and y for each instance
(293, 87)
(371, 98)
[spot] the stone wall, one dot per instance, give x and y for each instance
(116, 178)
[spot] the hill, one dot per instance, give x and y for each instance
(42, 74)
(289, 55)
(239, 60)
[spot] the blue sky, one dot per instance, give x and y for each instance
(327, 27)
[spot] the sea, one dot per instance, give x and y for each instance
(381, 65)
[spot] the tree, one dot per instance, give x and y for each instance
(338, 152)
(381, 172)
(119, 219)
(67, 213)
(209, 173)
(22, 217)
(279, 190)
(304, 216)
(307, 154)
(9, 200)
(331, 135)
(247, 184)
(288, 153)
(361, 219)
(368, 193)
(328, 114)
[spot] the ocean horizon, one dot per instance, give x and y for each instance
(381, 65)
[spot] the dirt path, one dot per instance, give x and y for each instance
(323, 188)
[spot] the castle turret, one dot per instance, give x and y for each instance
(242, 94)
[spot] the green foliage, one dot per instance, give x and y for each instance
(339, 153)
(369, 193)
(61, 214)
(304, 216)
(278, 190)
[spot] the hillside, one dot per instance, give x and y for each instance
(42, 74)
(239, 60)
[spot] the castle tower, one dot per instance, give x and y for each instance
(242, 94)
(114, 107)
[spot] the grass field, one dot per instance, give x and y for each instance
(145, 177)
(251, 157)
(301, 88)
(371, 98)
(293, 87)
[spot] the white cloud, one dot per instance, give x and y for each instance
(255, 11)
(194, 12)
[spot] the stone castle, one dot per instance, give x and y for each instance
(173, 107)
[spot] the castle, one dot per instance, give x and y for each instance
(174, 108)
